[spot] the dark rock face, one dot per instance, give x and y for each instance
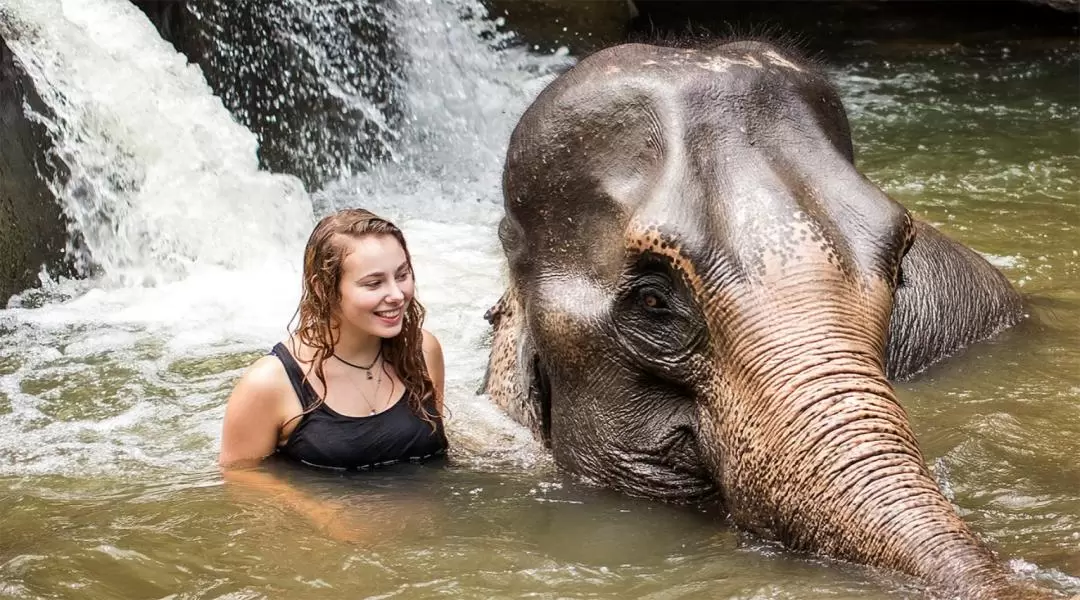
(587, 25)
(315, 81)
(1063, 5)
(582, 26)
(831, 25)
(33, 230)
(170, 17)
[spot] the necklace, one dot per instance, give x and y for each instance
(378, 384)
(366, 369)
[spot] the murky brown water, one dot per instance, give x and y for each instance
(108, 488)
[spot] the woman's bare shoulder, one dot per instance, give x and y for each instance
(254, 413)
(265, 378)
(430, 342)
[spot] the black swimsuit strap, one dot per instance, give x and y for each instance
(296, 375)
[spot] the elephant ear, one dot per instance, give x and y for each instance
(947, 298)
(515, 378)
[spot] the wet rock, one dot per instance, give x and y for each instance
(315, 80)
(581, 26)
(1063, 5)
(170, 17)
(33, 230)
(828, 25)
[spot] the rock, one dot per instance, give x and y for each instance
(317, 82)
(1063, 5)
(170, 17)
(835, 25)
(582, 26)
(33, 230)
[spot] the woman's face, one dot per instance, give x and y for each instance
(376, 285)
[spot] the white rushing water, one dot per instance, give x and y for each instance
(163, 180)
(199, 251)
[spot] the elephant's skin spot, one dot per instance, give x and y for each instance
(648, 238)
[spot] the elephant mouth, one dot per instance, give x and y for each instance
(692, 479)
(674, 471)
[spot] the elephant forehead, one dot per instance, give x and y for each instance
(576, 177)
(576, 173)
(735, 169)
(640, 127)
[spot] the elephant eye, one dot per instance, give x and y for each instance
(654, 300)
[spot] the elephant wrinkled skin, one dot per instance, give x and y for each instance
(707, 300)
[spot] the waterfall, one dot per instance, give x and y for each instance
(162, 180)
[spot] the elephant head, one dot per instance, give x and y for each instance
(700, 299)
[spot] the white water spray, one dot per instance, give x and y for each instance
(163, 182)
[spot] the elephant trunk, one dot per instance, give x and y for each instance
(828, 463)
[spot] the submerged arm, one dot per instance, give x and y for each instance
(256, 412)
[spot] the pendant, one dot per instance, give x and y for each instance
(369, 375)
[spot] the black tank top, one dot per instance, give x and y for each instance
(328, 439)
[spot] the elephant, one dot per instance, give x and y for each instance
(707, 302)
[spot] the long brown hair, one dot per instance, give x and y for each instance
(317, 319)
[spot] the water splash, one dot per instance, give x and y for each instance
(316, 81)
(161, 180)
(464, 95)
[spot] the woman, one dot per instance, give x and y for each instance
(358, 384)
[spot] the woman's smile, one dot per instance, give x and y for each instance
(389, 317)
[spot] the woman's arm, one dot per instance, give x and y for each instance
(256, 411)
(433, 358)
(254, 414)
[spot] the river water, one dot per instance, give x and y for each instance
(112, 388)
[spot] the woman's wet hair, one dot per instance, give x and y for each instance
(317, 319)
